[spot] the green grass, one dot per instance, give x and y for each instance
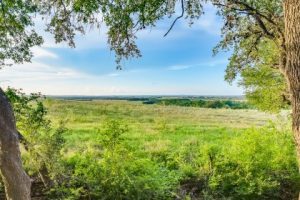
(169, 151)
(151, 123)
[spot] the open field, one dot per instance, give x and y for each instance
(127, 150)
(147, 122)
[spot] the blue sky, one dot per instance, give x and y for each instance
(179, 64)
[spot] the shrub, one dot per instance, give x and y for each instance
(115, 172)
(259, 164)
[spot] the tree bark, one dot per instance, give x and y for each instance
(292, 61)
(16, 181)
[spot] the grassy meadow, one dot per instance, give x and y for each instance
(117, 149)
(164, 126)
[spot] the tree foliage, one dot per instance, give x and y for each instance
(17, 35)
(254, 30)
(264, 84)
(41, 141)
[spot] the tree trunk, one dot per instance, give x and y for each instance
(17, 183)
(292, 63)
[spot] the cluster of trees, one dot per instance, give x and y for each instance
(201, 103)
(264, 36)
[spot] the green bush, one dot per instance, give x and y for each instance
(260, 163)
(114, 172)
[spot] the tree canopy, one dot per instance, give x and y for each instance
(254, 30)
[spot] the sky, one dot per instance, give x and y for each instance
(179, 64)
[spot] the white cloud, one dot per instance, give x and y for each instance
(37, 71)
(55, 80)
(39, 52)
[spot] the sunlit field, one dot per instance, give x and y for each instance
(172, 124)
(128, 150)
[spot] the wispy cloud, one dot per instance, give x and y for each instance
(37, 71)
(179, 67)
(39, 52)
(213, 63)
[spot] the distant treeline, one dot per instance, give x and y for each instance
(143, 97)
(232, 104)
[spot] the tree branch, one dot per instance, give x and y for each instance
(248, 10)
(262, 26)
(182, 13)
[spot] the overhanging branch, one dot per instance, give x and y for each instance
(174, 22)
